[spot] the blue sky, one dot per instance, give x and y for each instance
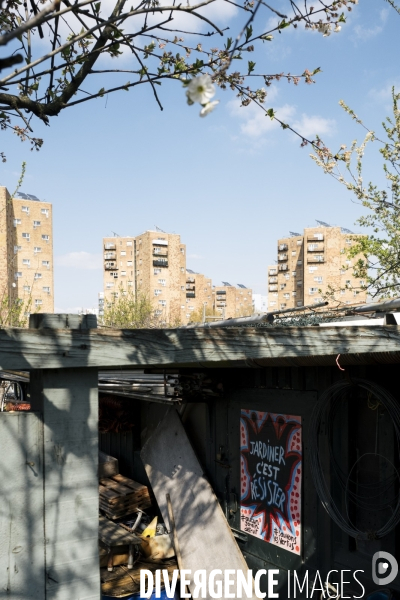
(229, 184)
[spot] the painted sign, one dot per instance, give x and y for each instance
(271, 469)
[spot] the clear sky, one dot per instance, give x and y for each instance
(230, 184)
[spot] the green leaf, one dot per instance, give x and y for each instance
(101, 92)
(249, 32)
(270, 113)
(283, 24)
(97, 7)
(342, 18)
(228, 43)
(317, 70)
(251, 66)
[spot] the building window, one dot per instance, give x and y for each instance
(272, 303)
(17, 222)
(283, 305)
(287, 296)
(293, 273)
(182, 269)
(123, 252)
(299, 303)
(37, 249)
(123, 273)
(287, 276)
(26, 261)
(109, 285)
(348, 282)
(348, 241)
(25, 209)
(27, 288)
(156, 271)
(46, 263)
(36, 223)
(294, 293)
(162, 282)
(162, 302)
(183, 250)
(130, 283)
(129, 263)
(38, 302)
(46, 289)
(312, 290)
(294, 252)
(299, 262)
(129, 243)
(299, 283)
(45, 238)
(45, 211)
(38, 276)
(157, 292)
(17, 274)
(318, 279)
(299, 242)
(362, 282)
(342, 292)
(312, 269)
(17, 249)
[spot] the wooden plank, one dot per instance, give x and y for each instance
(205, 539)
(27, 349)
(22, 554)
(112, 534)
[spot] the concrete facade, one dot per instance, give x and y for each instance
(151, 264)
(231, 301)
(311, 264)
(199, 292)
(26, 255)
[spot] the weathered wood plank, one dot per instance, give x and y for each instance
(63, 348)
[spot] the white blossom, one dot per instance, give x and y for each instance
(337, 28)
(200, 89)
(209, 107)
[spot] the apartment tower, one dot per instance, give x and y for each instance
(26, 251)
(152, 264)
(231, 302)
(311, 264)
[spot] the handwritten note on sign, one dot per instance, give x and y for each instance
(271, 469)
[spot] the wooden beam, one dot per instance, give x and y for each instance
(26, 349)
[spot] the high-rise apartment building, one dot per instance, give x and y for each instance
(152, 264)
(199, 293)
(26, 251)
(231, 301)
(309, 265)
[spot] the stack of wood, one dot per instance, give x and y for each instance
(120, 496)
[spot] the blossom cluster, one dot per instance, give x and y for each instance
(201, 89)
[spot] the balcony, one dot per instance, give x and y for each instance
(110, 255)
(272, 288)
(111, 266)
(282, 256)
(160, 263)
(221, 304)
(283, 267)
(315, 248)
(221, 293)
(318, 237)
(109, 246)
(190, 280)
(157, 253)
(315, 259)
(272, 272)
(273, 279)
(191, 294)
(282, 247)
(190, 287)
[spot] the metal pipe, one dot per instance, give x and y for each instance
(269, 317)
(386, 306)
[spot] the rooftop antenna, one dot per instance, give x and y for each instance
(159, 229)
(115, 234)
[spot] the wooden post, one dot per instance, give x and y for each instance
(68, 400)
